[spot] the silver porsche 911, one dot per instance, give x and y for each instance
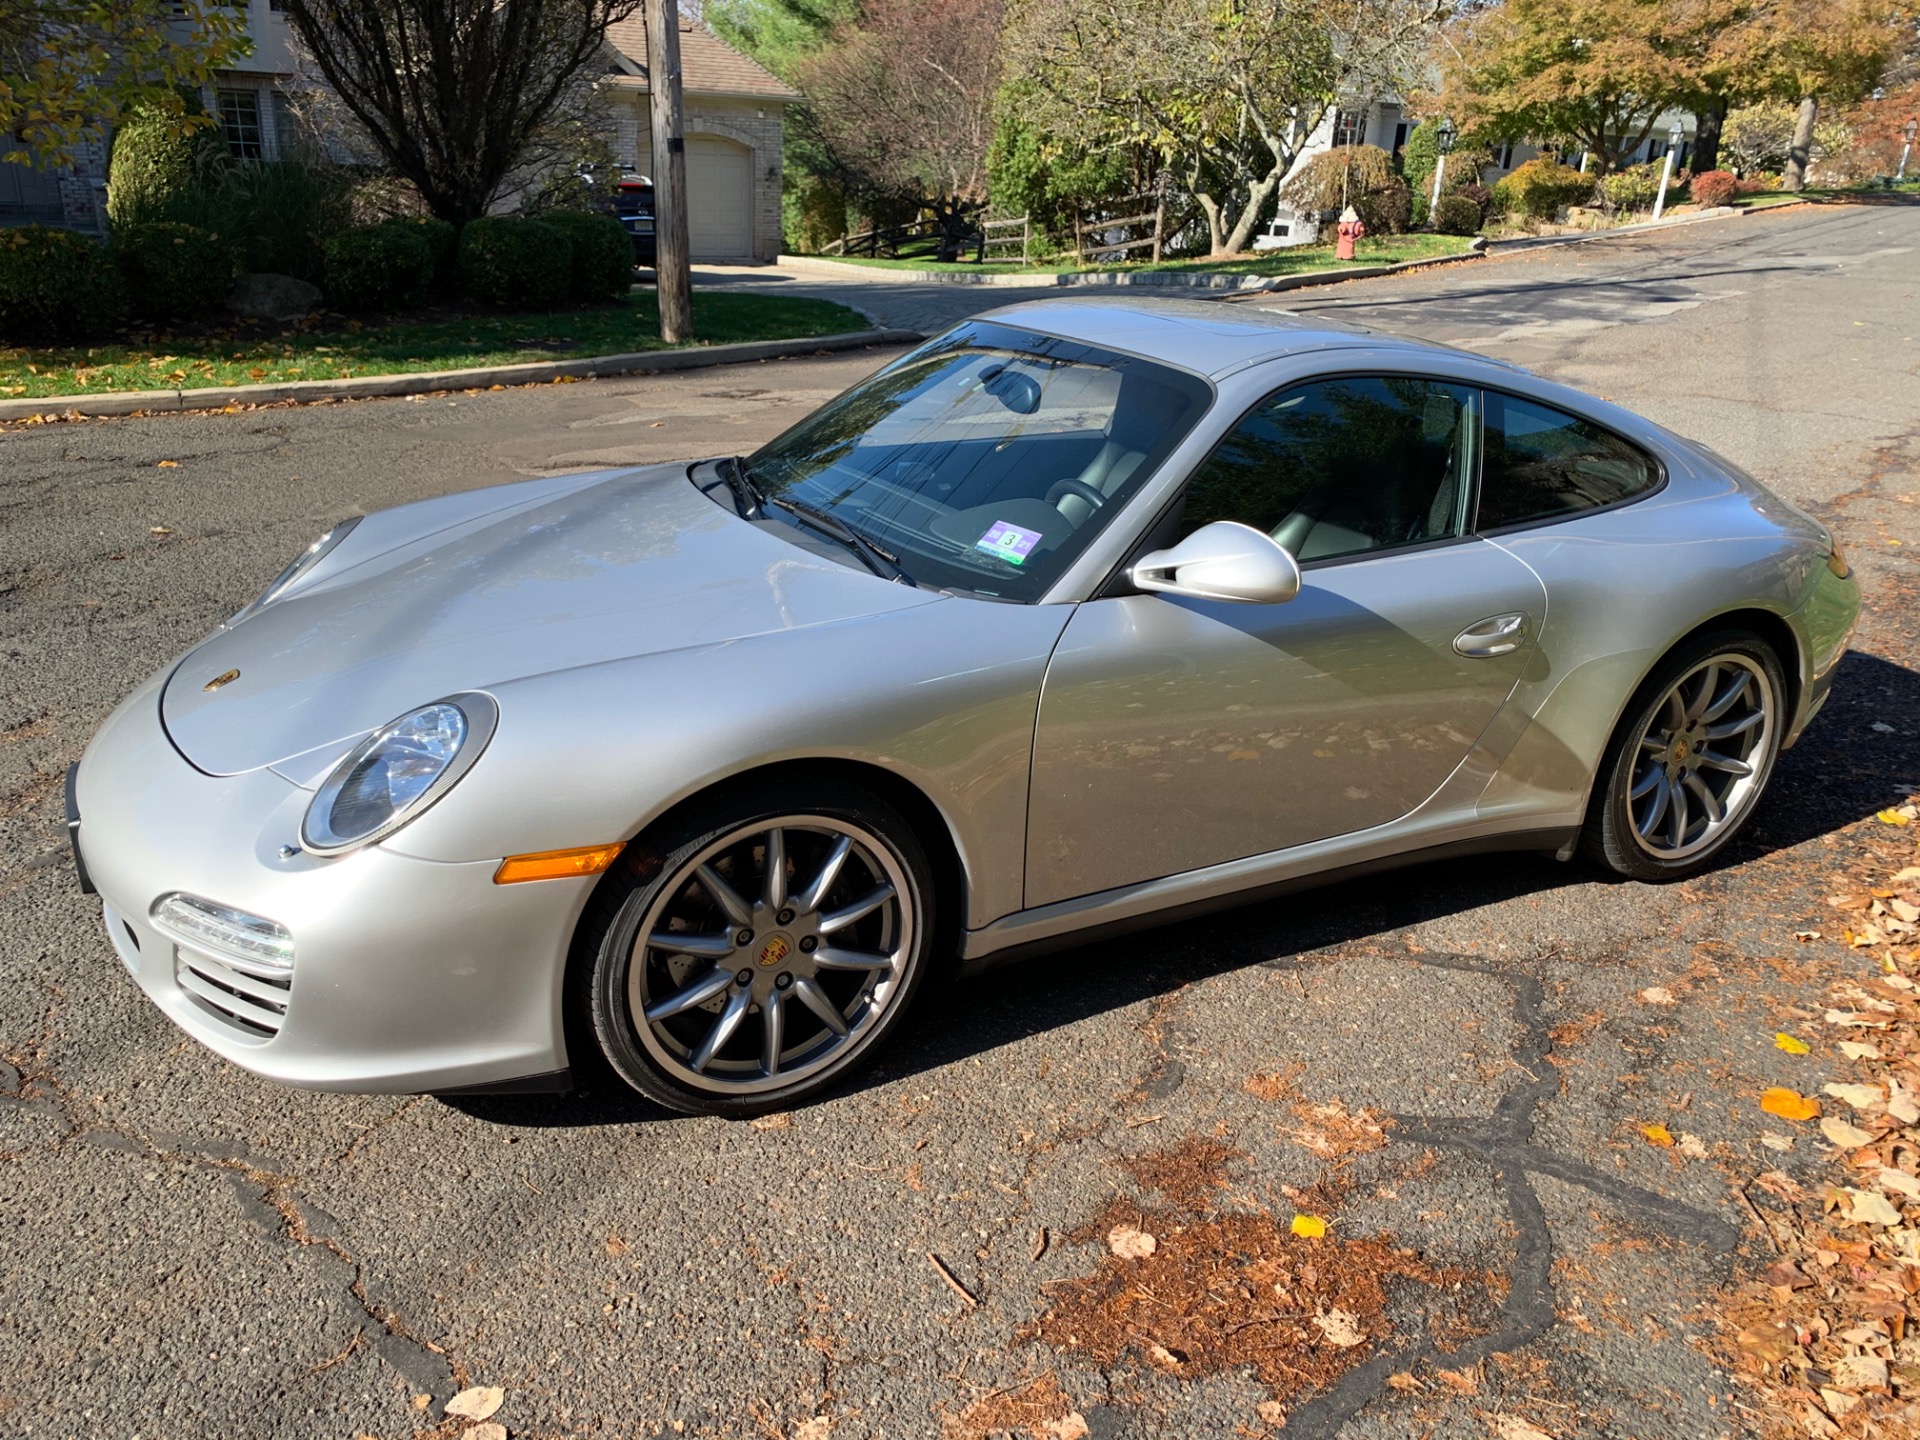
(1079, 615)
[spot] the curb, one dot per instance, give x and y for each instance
(425, 382)
(1108, 279)
(1539, 242)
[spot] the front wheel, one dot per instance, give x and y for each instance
(761, 949)
(1691, 759)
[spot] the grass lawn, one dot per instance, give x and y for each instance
(334, 348)
(1298, 259)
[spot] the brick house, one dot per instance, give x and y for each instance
(734, 113)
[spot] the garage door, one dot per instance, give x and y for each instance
(719, 198)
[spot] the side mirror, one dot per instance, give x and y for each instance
(1222, 561)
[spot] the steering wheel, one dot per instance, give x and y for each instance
(1063, 488)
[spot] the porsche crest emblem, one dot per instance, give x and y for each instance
(774, 951)
(225, 679)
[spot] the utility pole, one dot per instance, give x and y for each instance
(673, 278)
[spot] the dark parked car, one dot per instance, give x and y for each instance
(633, 203)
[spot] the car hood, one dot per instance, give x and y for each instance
(636, 563)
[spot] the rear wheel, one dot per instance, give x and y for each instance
(1691, 758)
(766, 954)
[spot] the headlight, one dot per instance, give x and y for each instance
(397, 772)
(302, 563)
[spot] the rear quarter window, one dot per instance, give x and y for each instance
(1543, 464)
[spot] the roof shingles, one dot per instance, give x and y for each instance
(708, 65)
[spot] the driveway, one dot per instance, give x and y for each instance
(1449, 1066)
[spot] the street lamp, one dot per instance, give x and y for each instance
(1674, 137)
(1906, 149)
(1444, 137)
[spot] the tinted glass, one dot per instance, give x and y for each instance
(1341, 467)
(1542, 463)
(989, 457)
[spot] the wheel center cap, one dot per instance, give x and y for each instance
(774, 949)
(1681, 750)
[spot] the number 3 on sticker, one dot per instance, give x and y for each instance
(1009, 542)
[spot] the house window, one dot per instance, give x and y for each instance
(1349, 127)
(240, 123)
(287, 140)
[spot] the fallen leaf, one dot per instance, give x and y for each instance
(818, 1428)
(1692, 1146)
(1341, 1328)
(1657, 1135)
(1805, 936)
(1860, 1097)
(1892, 817)
(1860, 1372)
(1308, 1227)
(1837, 1402)
(1163, 1357)
(1906, 910)
(1767, 1343)
(167, 465)
(159, 530)
(1658, 995)
(779, 1120)
(1131, 1244)
(1512, 1427)
(1070, 1426)
(1871, 1209)
(1272, 1412)
(1776, 1142)
(477, 1403)
(421, 1402)
(1403, 1380)
(1785, 1275)
(1791, 1044)
(1847, 1137)
(1880, 727)
(1463, 1382)
(1898, 1181)
(1789, 1104)
(1859, 1050)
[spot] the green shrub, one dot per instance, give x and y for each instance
(173, 270)
(1387, 209)
(54, 286)
(1456, 215)
(388, 266)
(1713, 188)
(1540, 188)
(506, 260)
(1422, 209)
(1632, 189)
(153, 161)
(271, 210)
(602, 254)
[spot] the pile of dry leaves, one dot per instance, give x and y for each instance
(1830, 1335)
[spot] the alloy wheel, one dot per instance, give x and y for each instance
(772, 954)
(1702, 757)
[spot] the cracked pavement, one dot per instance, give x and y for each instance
(187, 1251)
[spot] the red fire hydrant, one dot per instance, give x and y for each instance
(1350, 230)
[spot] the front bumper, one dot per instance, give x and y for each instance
(409, 975)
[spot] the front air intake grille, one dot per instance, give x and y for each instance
(253, 1000)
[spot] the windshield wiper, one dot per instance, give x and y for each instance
(747, 498)
(883, 563)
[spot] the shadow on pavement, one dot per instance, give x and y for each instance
(1841, 771)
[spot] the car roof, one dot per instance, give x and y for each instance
(1200, 335)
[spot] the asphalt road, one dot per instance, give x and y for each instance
(186, 1251)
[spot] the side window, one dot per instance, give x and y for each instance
(1346, 466)
(1543, 464)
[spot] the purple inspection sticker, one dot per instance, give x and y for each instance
(1009, 542)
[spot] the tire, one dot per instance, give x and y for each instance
(1705, 727)
(687, 1025)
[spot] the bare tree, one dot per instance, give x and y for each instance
(903, 101)
(1227, 91)
(455, 93)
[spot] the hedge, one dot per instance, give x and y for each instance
(525, 264)
(1714, 188)
(1541, 188)
(1387, 210)
(153, 163)
(1456, 215)
(388, 266)
(54, 286)
(602, 254)
(173, 270)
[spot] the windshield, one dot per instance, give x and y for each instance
(986, 459)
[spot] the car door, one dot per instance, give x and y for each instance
(1176, 733)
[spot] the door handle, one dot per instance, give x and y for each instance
(1497, 635)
